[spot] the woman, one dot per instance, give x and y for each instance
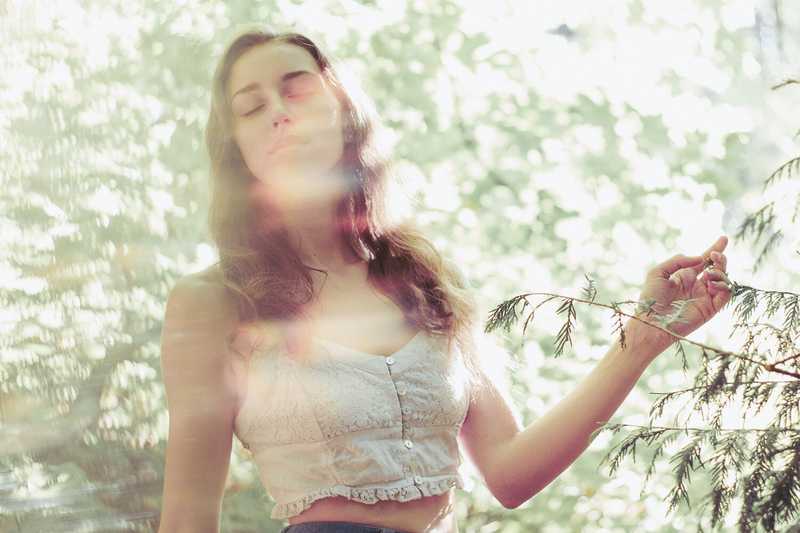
(340, 347)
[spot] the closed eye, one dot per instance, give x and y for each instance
(253, 111)
(302, 84)
(300, 94)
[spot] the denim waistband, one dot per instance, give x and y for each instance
(338, 527)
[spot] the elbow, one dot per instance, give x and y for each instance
(513, 502)
(509, 503)
(507, 497)
(502, 488)
(508, 484)
(511, 498)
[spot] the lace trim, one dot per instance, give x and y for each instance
(368, 495)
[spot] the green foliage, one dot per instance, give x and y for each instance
(564, 334)
(770, 496)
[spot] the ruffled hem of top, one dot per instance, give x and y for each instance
(367, 495)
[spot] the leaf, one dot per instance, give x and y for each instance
(590, 291)
(687, 460)
(565, 333)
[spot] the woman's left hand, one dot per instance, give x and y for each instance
(700, 279)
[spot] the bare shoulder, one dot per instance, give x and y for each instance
(214, 306)
(206, 290)
(203, 297)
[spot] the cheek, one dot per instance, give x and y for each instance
(331, 132)
(333, 118)
(251, 164)
(247, 153)
(250, 142)
(325, 115)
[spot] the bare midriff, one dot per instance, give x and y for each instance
(430, 514)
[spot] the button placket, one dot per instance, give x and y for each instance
(401, 390)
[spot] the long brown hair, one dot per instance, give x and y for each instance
(261, 268)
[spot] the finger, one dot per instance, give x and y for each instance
(673, 264)
(720, 294)
(720, 261)
(716, 275)
(718, 246)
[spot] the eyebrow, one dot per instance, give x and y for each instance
(255, 85)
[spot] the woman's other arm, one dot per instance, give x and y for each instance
(201, 387)
(519, 463)
(515, 463)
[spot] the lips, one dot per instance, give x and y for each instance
(282, 142)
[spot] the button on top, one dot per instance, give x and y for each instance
(390, 360)
(401, 390)
(417, 479)
(408, 444)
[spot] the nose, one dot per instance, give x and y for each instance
(279, 114)
(280, 118)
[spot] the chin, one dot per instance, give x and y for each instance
(300, 168)
(309, 181)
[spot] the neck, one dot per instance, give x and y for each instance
(313, 231)
(306, 208)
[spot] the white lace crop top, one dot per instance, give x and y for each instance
(362, 426)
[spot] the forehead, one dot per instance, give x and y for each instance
(266, 62)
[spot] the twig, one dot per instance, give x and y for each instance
(662, 428)
(729, 383)
(768, 366)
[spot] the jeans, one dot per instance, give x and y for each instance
(337, 527)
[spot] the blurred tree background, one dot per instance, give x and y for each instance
(537, 141)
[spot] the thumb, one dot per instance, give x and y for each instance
(673, 264)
